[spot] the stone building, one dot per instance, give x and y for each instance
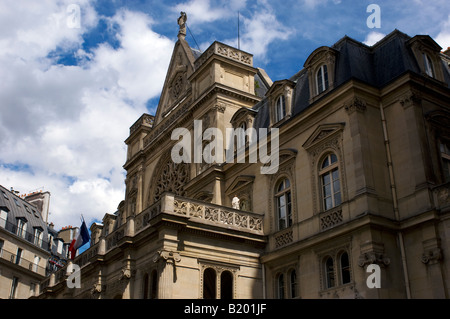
(29, 248)
(362, 179)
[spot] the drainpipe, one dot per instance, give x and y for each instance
(395, 200)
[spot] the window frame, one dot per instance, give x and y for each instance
(280, 105)
(428, 65)
(329, 171)
(285, 192)
(324, 82)
(444, 152)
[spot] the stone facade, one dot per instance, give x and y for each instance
(361, 181)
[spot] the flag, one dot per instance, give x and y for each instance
(82, 238)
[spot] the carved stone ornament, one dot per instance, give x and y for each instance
(356, 104)
(172, 178)
(373, 258)
(96, 289)
(432, 256)
(167, 255)
(126, 274)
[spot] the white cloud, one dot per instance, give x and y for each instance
(443, 38)
(373, 37)
(67, 124)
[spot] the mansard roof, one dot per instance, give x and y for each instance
(375, 65)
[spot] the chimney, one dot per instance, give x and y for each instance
(42, 202)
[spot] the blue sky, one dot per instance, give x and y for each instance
(71, 85)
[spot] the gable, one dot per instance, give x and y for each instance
(176, 85)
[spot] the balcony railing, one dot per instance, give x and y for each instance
(20, 261)
(28, 236)
(202, 212)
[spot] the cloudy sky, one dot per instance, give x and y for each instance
(76, 74)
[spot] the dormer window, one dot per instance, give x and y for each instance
(428, 65)
(322, 79)
(320, 66)
(280, 111)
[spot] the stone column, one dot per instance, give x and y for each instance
(167, 272)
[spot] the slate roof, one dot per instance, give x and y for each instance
(17, 208)
(375, 65)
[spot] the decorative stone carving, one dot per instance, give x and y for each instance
(330, 219)
(235, 202)
(432, 256)
(356, 104)
(172, 178)
(410, 99)
(182, 23)
(217, 215)
(373, 258)
(284, 239)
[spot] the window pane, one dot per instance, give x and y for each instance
(326, 162)
(345, 268)
(335, 174)
(326, 179)
(325, 77)
(337, 199)
(336, 186)
(287, 183)
(319, 81)
(333, 158)
(329, 268)
(327, 190)
(328, 203)
(280, 287)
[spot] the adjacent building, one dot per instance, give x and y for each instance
(29, 248)
(362, 179)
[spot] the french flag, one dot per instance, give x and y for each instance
(82, 238)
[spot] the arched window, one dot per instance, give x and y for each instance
(284, 204)
(280, 111)
(330, 183)
(345, 268)
(209, 284)
(226, 285)
(242, 135)
(293, 283)
(329, 272)
(280, 286)
(154, 285)
(146, 287)
(429, 70)
(322, 79)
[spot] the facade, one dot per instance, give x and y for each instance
(362, 179)
(29, 248)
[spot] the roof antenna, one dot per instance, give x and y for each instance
(239, 36)
(193, 38)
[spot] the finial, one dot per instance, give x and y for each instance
(182, 23)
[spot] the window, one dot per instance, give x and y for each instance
(154, 285)
(329, 272)
(38, 235)
(18, 256)
(3, 218)
(4, 195)
(280, 111)
(145, 296)
(13, 292)
(284, 204)
(322, 79)
(293, 283)
(209, 284)
(21, 227)
(280, 286)
(428, 65)
(17, 202)
(37, 259)
(345, 268)
(330, 184)
(226, 285)
(242, 136)
(1, 247)
(445, 155)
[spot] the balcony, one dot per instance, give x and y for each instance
(21, 262)
(202, 212)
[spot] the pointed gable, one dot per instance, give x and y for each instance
(176, 85)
